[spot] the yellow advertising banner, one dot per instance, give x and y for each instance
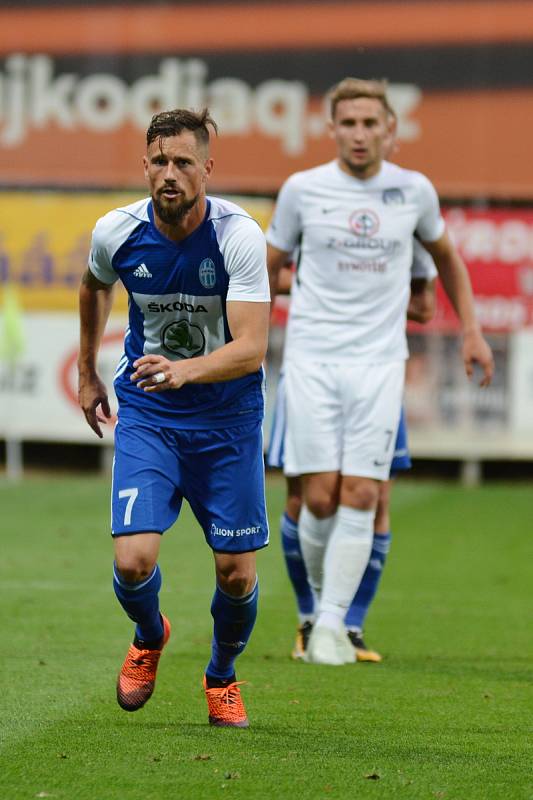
(45, 239)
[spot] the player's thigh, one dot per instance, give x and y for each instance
(372, 397)
(313, 441)
(224, 482)
(146, 494)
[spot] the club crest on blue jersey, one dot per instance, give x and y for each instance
(393, 197)
(183, 339)
(207, 273)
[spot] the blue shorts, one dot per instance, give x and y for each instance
(219, 472)
(275, 454)
(401, 460)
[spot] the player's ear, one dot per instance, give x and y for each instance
(145, 166)
(208, 168)
(331, 128)
(389, 143)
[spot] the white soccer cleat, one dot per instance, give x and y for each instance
(327, 646)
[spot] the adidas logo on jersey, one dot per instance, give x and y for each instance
(142, 271)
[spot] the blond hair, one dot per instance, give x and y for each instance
(352, 88)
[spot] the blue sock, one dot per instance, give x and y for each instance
(140, 601)
(356, 614)
(234, 620)
(296, 566)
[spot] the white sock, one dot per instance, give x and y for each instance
(333, 621)
(314, 535)
(345, 561)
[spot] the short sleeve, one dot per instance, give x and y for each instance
(244, 252)
(286, 225)
(422, 265)
(100, 257)
(430, 226)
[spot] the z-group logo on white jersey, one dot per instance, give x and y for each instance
(142, 271)
(364, 222)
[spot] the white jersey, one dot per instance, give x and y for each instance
(422, 266)
(351, 292)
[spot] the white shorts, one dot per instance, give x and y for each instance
(342, 418)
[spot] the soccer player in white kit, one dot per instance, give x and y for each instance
(354, 219)
(421, 308)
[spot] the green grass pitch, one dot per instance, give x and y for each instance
(448, 714)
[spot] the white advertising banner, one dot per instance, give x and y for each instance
(448, 416)
(38, 392)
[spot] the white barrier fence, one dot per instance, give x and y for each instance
(448, 417)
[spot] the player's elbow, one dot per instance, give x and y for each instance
(426, 315)
(255, 352)
(255, 361)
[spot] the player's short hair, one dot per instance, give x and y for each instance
(352, 88)
(177, 120)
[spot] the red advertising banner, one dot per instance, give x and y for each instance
(497, 246)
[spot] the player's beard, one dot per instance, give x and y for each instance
(174, 213)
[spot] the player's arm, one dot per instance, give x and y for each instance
(285, 279)
(95, 301)
(248, 324)
(284, 232)
(278, 279)
(422, 302)
(456, 282)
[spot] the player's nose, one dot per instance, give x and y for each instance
(170, 173)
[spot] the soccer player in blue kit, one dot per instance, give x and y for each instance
(189, 386)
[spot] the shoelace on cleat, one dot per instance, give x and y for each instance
(144, 662)
(230, 696)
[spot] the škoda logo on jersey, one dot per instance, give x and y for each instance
(183, 339)
(177, 305)
(364, 222)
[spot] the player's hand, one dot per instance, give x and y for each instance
(92, 397)
(158, 374)
(477, 351)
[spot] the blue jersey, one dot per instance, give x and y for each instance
(177, 307)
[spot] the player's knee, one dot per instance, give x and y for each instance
(321, 505)
(134, 568)
(360, 493)
(236, 581)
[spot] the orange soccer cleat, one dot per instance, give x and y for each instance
(364, 653)
(226, 709)
(136, 679)
(302, 638)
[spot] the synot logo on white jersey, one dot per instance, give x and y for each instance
(142, 271)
